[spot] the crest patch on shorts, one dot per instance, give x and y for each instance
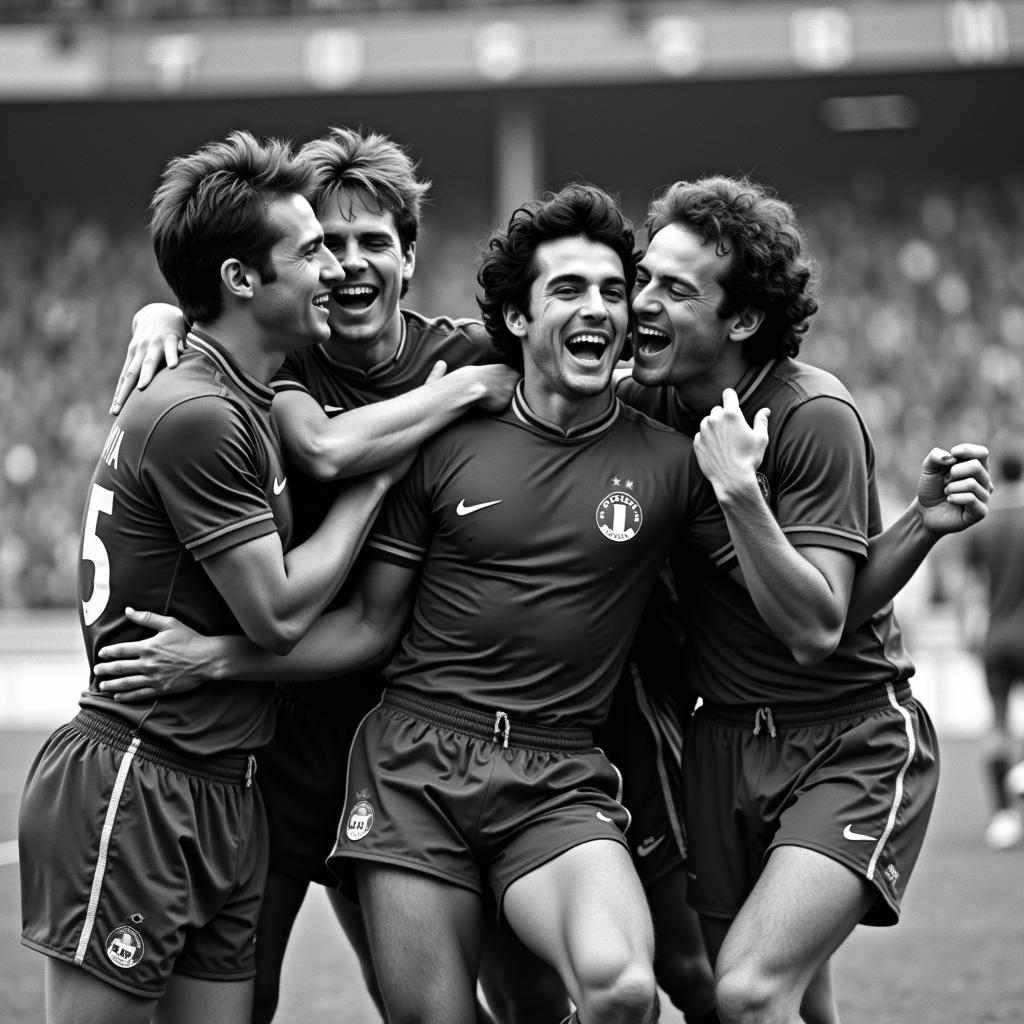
(619, 516)
(125, 947)
(360, 818)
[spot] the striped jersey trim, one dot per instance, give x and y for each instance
(897, 799)
(260, 393)
(593, 427)
(727, 552)
(207, 537)
(397, 549)
(101, 858)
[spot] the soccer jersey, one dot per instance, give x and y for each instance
(537, 549)
(191, 468)
(818, 477)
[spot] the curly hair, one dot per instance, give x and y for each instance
(508, 267)
(212, 206)
(768, 271)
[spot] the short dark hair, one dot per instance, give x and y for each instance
(509, 267)
(212, 206)
(346, 159)
(768, 270)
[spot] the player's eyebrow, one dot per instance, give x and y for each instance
(582, 280)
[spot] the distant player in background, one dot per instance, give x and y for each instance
(142, 839)
(995, 558)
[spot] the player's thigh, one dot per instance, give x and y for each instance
(519, 986)
(802, 908)
(425, 936)
(200, 1001)
(282, 899)
(586, 914)
(74, 996)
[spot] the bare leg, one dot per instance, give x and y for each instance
(282, 899)
(198, 1001)
(351, 920)
(585, 913)
(76, 997)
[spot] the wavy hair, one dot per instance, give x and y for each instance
(508, 267)
(768, 270)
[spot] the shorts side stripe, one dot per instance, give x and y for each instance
(664, 733)
(101, 860)
(898, 792)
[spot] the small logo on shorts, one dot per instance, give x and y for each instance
(125, 947)
(619, 516)
(649, 845)
(891, 874)
(360, 818)
(857, 837)
(604, 817)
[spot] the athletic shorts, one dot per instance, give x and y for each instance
(464, 795)
(302, 771)
(136, 862)
(855, 782)
(643, 738)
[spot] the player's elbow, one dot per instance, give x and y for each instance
(279, 636)
(813, 646)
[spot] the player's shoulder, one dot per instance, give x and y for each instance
(646, 424)
(441, 332)
(805, 381)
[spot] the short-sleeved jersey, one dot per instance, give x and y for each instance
(997, 546)
(536, 549)
(818, 477)
(338, 387)
(191, 467)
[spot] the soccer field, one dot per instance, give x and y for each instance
(956, 958)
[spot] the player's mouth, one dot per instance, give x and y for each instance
(651, 341)
(355, 297)
(588, 346)
(322, 301)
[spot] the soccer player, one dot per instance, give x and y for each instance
(809, 769)
(995, 555)
(478, 769)
(142, 839)
(366, 396)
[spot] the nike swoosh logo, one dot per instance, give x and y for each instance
(279, 485)
(329, 409)
(648, 846)
(603, 816)
(464, 510)
(848, 833)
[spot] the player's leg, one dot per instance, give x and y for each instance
(519, 986)
(74, 996)
(351, 920)
(199, 1001)
(425, 935)
(282, 899)
(1000, 751)
(818, 1005)
(802, 908)
(585, 913)
(681, 964)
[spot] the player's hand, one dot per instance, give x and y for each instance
(170, 661)
(954, 488)
(158, 335)
(728, 449)
(499, 383)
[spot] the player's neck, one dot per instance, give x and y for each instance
(563, 410)
(365, 353)
(256, 360)
(701, 393)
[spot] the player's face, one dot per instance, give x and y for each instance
(364, 238)
(294, 307)
(680, 337)
(578, 316)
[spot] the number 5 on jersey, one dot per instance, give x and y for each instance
(93, 550)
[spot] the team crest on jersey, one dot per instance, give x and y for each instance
(619, 516)
(766, 490)
(125, 947)
(360, 818)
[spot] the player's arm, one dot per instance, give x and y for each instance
(801, 593)
(952, 494)
(176, 658)
(366, 438)
(158, 335)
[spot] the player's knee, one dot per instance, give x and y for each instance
(743, 995)
(623, 992)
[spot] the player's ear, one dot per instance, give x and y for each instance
(237, 278)
(745, 323)
(515, 320)
(408, 262)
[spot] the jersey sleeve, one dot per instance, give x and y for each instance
(205, 464)
(403, 530)
(822, 477)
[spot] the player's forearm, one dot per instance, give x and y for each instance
(368, 438)
(893, 557)
(790, 593)
(316, 569)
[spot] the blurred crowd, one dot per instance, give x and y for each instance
(922, 315)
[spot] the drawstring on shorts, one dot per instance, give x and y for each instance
(502, 727)
(763, 716)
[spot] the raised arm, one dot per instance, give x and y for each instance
(952, 494)
(366, 438)
(158, 335)
(176, 658)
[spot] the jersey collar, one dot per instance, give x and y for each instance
(598, 425)
(253, 389)
(747, 387)
(381, 368)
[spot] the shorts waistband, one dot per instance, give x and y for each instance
(496, 725)
(235, 768)
(798, 716)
